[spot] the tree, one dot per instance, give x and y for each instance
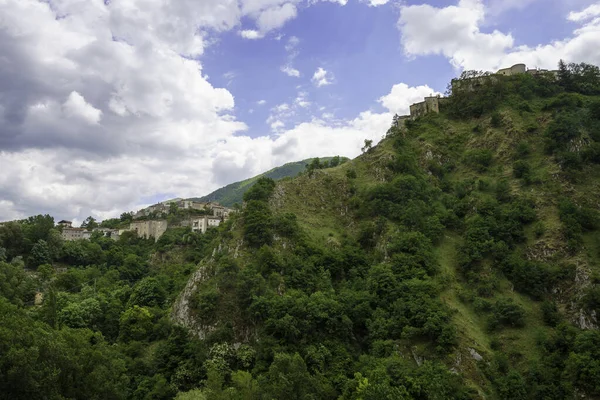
(89, 223)
(288, 378)
(368, 145)
(126, 217)
(148, 292)
(12, 238)
(261, 190)
(15, 284)
(55, 243)
(36, 228)
(45, 272)
(564, 76)
(40, 254)
(135, 324)
(257, 223)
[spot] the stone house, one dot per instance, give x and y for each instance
(69, 233)
(148, 229)
(64, 223)
(202, 223)
(431, 104)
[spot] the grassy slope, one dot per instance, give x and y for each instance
(320, 204)
(234, 192)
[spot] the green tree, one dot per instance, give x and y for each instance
(89, 223)
(135, 324)
(40, 254)
(288, 378)
(257, 223)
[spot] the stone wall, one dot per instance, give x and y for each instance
(148, 229)
(431, 104)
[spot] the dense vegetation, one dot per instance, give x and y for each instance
(234, 193)
(459, 258)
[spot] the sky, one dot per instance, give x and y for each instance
(110, 105)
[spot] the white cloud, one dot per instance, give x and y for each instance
(452, 31)
(375, 3)
(276, 17)
(261, 102)
(301, 100)
(400, 98)
(76, 107)
(291, 44)
(276, 125)
(290, 71)
(251, 34)
(95, 125)
(586, 14)
(321, 77)
(455, 32)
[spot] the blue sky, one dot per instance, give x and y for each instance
(92, 125)
(360, 46)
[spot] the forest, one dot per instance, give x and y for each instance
(454, 260)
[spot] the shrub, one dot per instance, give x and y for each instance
(523, 149)
(496, 120)
(550, 313)
(505, 312)
(479, 159)
(521, 170)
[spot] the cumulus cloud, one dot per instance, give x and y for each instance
(251, 34)
(451, 31)
(586, 14)
(321, 77)
(375, 3)
(455, 32)
(401, 96)
(290, 71)
(103, 111)
(76, 107)
(276, 17)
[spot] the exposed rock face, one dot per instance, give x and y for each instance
(475, 355)
(182, 313)
(582, 318)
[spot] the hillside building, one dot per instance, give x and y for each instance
(202, 223)
(69, 233)
(148, 229)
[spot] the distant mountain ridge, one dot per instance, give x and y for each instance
(234, 192)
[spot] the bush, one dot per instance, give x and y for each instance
(521, 170)
(261, 190)
(505, 312)
(351, 174)
(523, 150)
(257, 223)
(479, 159)
(496, 120)
(550, 313)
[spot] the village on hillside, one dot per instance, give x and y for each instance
(151, 222)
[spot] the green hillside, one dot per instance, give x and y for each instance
(457, 259)
(234, 192)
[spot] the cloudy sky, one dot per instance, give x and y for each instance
(108, 105)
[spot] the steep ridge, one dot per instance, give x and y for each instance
(457, 259)
(234, 192)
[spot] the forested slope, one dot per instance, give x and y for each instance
(459, 258)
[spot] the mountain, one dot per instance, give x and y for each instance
(457, 259)
(234, 192)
